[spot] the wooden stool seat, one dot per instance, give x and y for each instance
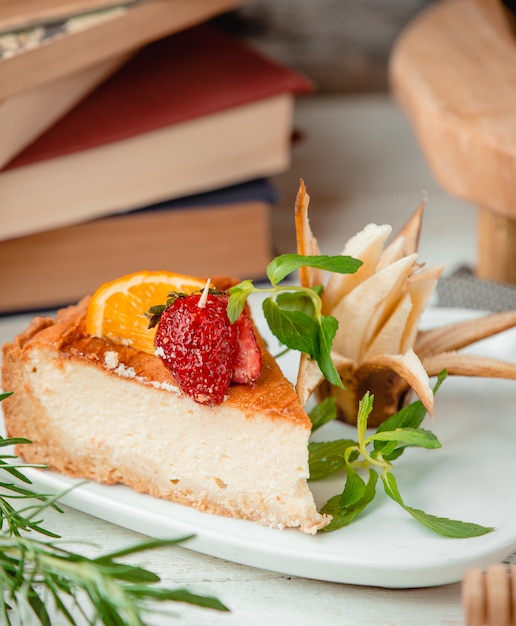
(453, 70)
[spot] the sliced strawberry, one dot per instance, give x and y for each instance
(247, 361)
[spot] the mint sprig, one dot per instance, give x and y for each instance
(376, 453)
(441, 525)
(294, 313)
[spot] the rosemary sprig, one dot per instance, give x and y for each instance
(101, 591)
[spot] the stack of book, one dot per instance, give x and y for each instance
(142, 139)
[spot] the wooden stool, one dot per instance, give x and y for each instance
(453, 70)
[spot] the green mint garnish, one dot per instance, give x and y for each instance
(294, 313)
(376, 453)
(441, 525)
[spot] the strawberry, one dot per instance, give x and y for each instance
(203, 350)
(247, 361)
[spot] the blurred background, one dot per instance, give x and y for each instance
(125, 123)
(343, 46)
(358, 153)
(374, 154)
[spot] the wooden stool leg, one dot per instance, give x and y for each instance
(496, 247)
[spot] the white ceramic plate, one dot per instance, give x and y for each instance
(469, 478)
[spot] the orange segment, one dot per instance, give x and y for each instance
(117, 309)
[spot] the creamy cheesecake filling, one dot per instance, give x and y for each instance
(215, 458)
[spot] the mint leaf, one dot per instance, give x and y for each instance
(304, 333)
(327, 457)
(408, 437)
(283, 265)
(410, 416)
(441, 525)
(365, 406)
(238, 295)
(322, 343)
(296, 301)
(294, 329)
(322, 413)
(344, 515)
(354, 489)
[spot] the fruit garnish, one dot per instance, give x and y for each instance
(117, 309)
(201, 347)
(247, 361)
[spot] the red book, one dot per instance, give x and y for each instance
(54, 52)
(188, 113)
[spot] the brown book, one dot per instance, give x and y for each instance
(192, 112)
(226, 232)
(84, 41)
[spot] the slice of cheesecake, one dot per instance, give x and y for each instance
(97, 409)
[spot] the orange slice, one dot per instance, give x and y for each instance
(117, 309)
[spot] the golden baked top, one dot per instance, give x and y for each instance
(272, 395)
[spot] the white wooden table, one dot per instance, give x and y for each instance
(360, 164)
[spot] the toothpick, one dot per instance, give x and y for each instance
(204, 296)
